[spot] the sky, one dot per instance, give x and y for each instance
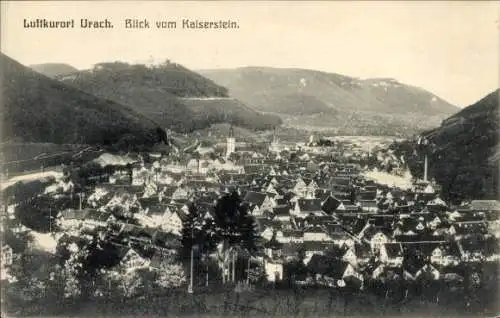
(448, 48)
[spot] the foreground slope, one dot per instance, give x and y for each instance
(169, 94)
(39, 109)
(298, 95)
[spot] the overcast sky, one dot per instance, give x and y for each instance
(448, 48)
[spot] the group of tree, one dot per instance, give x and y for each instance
(226, 231)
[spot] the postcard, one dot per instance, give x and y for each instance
(249, 158)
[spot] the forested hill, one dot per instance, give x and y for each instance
(463, 151)
(170, 94)
(39, 109)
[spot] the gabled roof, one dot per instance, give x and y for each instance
(316, 246)
(72, 214)
(485, 205)
(371, 231)
(394, 249)
(450, 248)
(309, 205)
(330, 204)
(367, 195)
(292, 233)
(314, 229)
(420, 238)
(322, 194)
(345, 181)
(362, 250)
(98, 215)
(157, 210)
(368, 203)
(166, 239)
(281, 210)
(148, 202)
(253, 169)
(255, 198)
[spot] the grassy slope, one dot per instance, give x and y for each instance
(268, 303)
(318, 99)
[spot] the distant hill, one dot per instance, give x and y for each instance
(39, 109)
(463, 156)
(295, 93)
(53, 69)
(170, 94)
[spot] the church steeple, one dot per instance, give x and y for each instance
(231, 142)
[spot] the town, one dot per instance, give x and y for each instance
(308, 215)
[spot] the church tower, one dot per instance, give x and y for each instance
(274, 147)
(231, 143)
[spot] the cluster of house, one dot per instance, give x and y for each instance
(305, 206)
(379, 229)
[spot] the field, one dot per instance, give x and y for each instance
(19, 158)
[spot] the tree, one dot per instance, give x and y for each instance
(170, 276)
(234, 227)
(191, 232)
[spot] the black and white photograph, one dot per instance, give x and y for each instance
(249, 159)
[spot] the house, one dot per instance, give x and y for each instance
(428, 271)
(345, 273)
(367, 195)
(158, 214)
(485, 206)
(472, 250)
(273, 261)
(391, 254)
(305, 207)
(259, 202)
(446, 254)
(71, 218)
(281, 213)
(368, 206)
(305, 188)
(173, 220)
(7, 255)
(159, 260)
(358, 255)
(338, 235)
(461, 230)
(313, 248)
(95, 219)
(268, 233)
(316, 233)
(140, 175)
(131, 259)
(346, 206)
(180, 193)
(167, 242)
(330, 204)
(289, 236)
(375, 236)
(130, 234)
